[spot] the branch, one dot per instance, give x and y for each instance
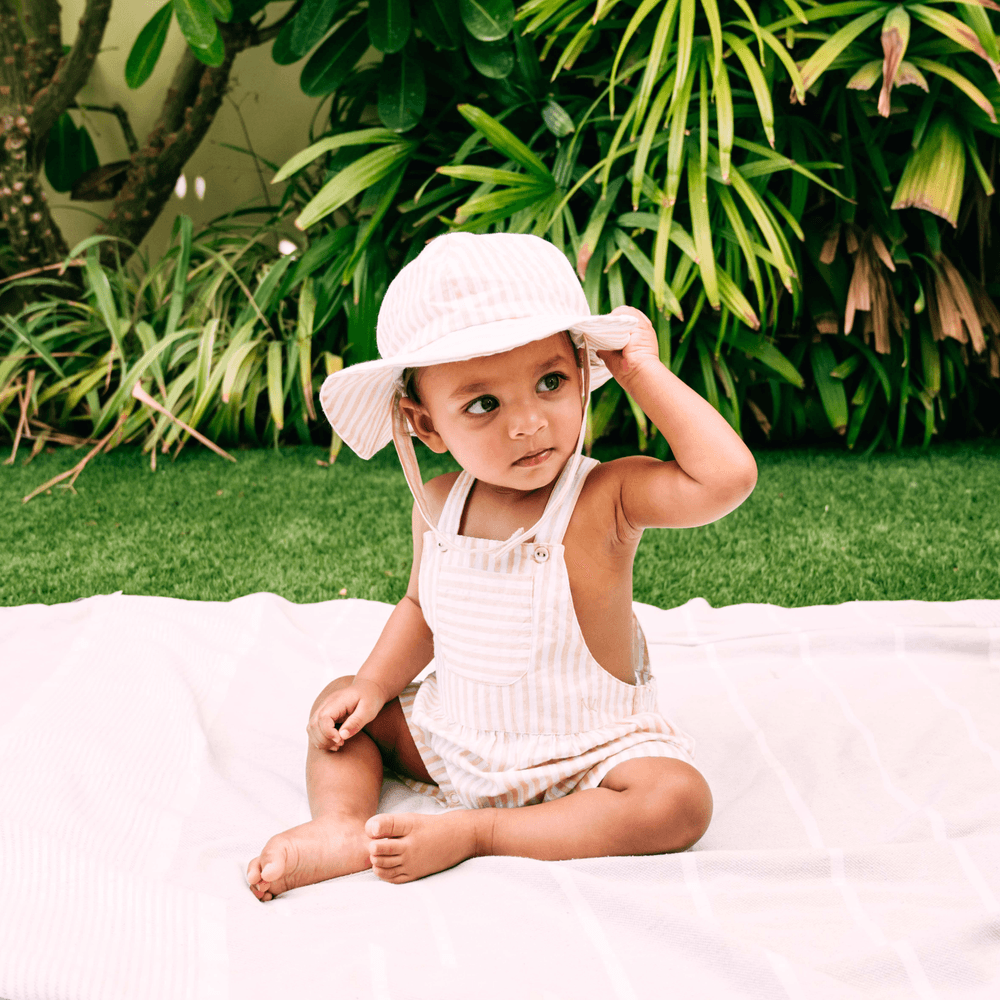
(189, 108)
(73, 69)
(42, 29)
(121, 114)
(265, 33)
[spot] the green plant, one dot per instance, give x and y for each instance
(723, 167)
(214, 341)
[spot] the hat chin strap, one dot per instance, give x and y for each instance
(408, 459)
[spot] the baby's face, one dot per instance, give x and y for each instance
(492, 413)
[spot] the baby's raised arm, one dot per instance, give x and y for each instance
(404, 648)
(712, 471)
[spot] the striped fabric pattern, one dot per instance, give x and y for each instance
(517, 710)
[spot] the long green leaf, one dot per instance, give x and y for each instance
(831, 390)
(744, 240)
(274, 394)
(677, 138)
(702, 229)
(761, 91)
(951, 27)
(360, 138)
(765, 352)
(660, 43)
(725, 120)
(595, 226)
(488, 175)
(354, 178)
(820, 60)
(500, 137)
(138, 369)
(963, 83)
(642, 12)
(649, 133)
(183, 224)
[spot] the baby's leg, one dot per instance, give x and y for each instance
(343, 788)
(649, 805)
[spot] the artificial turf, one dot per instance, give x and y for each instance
(822, 527)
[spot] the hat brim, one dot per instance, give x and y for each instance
(358, 400)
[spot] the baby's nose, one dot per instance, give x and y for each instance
(526, 420)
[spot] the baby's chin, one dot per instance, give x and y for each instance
(519, 478)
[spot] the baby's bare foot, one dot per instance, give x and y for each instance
(407, 846)
(313, 852)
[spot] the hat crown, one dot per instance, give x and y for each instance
(463, 280)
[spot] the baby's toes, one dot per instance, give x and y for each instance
(386, 872)
(257, 886)
(389, 825)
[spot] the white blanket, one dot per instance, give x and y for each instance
(150, 746)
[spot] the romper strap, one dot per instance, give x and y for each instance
(553, 526)
(451, 513)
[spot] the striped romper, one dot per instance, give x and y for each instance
(517, 710)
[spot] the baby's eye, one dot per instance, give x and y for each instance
(552, 381)
(489, 402)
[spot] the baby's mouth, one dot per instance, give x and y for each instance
(535, 457)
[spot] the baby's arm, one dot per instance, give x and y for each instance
(712, 472)
(404, 648)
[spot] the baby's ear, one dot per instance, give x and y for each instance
(420, 421)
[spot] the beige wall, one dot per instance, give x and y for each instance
(275, 111)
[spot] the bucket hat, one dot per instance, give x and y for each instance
(465, 296)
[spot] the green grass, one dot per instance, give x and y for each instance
(822, 527)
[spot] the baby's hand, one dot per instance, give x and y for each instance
(641, 349)
(357, 704)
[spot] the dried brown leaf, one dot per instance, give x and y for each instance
(827, 323)
(989, 315)
(882, 252)
(964, 304)
(951, 318)
(79, 467)
(829, 252)
(858, 294)
(144, 397)
(893, 48)
(22, 423)
(880, 311)
(765, 424)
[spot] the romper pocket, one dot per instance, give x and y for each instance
(485, 623)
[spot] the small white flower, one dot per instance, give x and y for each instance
(181, 187)
(286, 247)
(199, 188)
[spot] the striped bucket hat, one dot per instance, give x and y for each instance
(467, 296)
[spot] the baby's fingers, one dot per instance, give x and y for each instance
(323, 733)
(359, 718)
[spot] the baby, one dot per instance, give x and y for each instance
(538, 726)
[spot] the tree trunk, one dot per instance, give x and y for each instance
(38, 84)
(189, 109)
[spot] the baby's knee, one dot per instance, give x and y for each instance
(681, 810)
